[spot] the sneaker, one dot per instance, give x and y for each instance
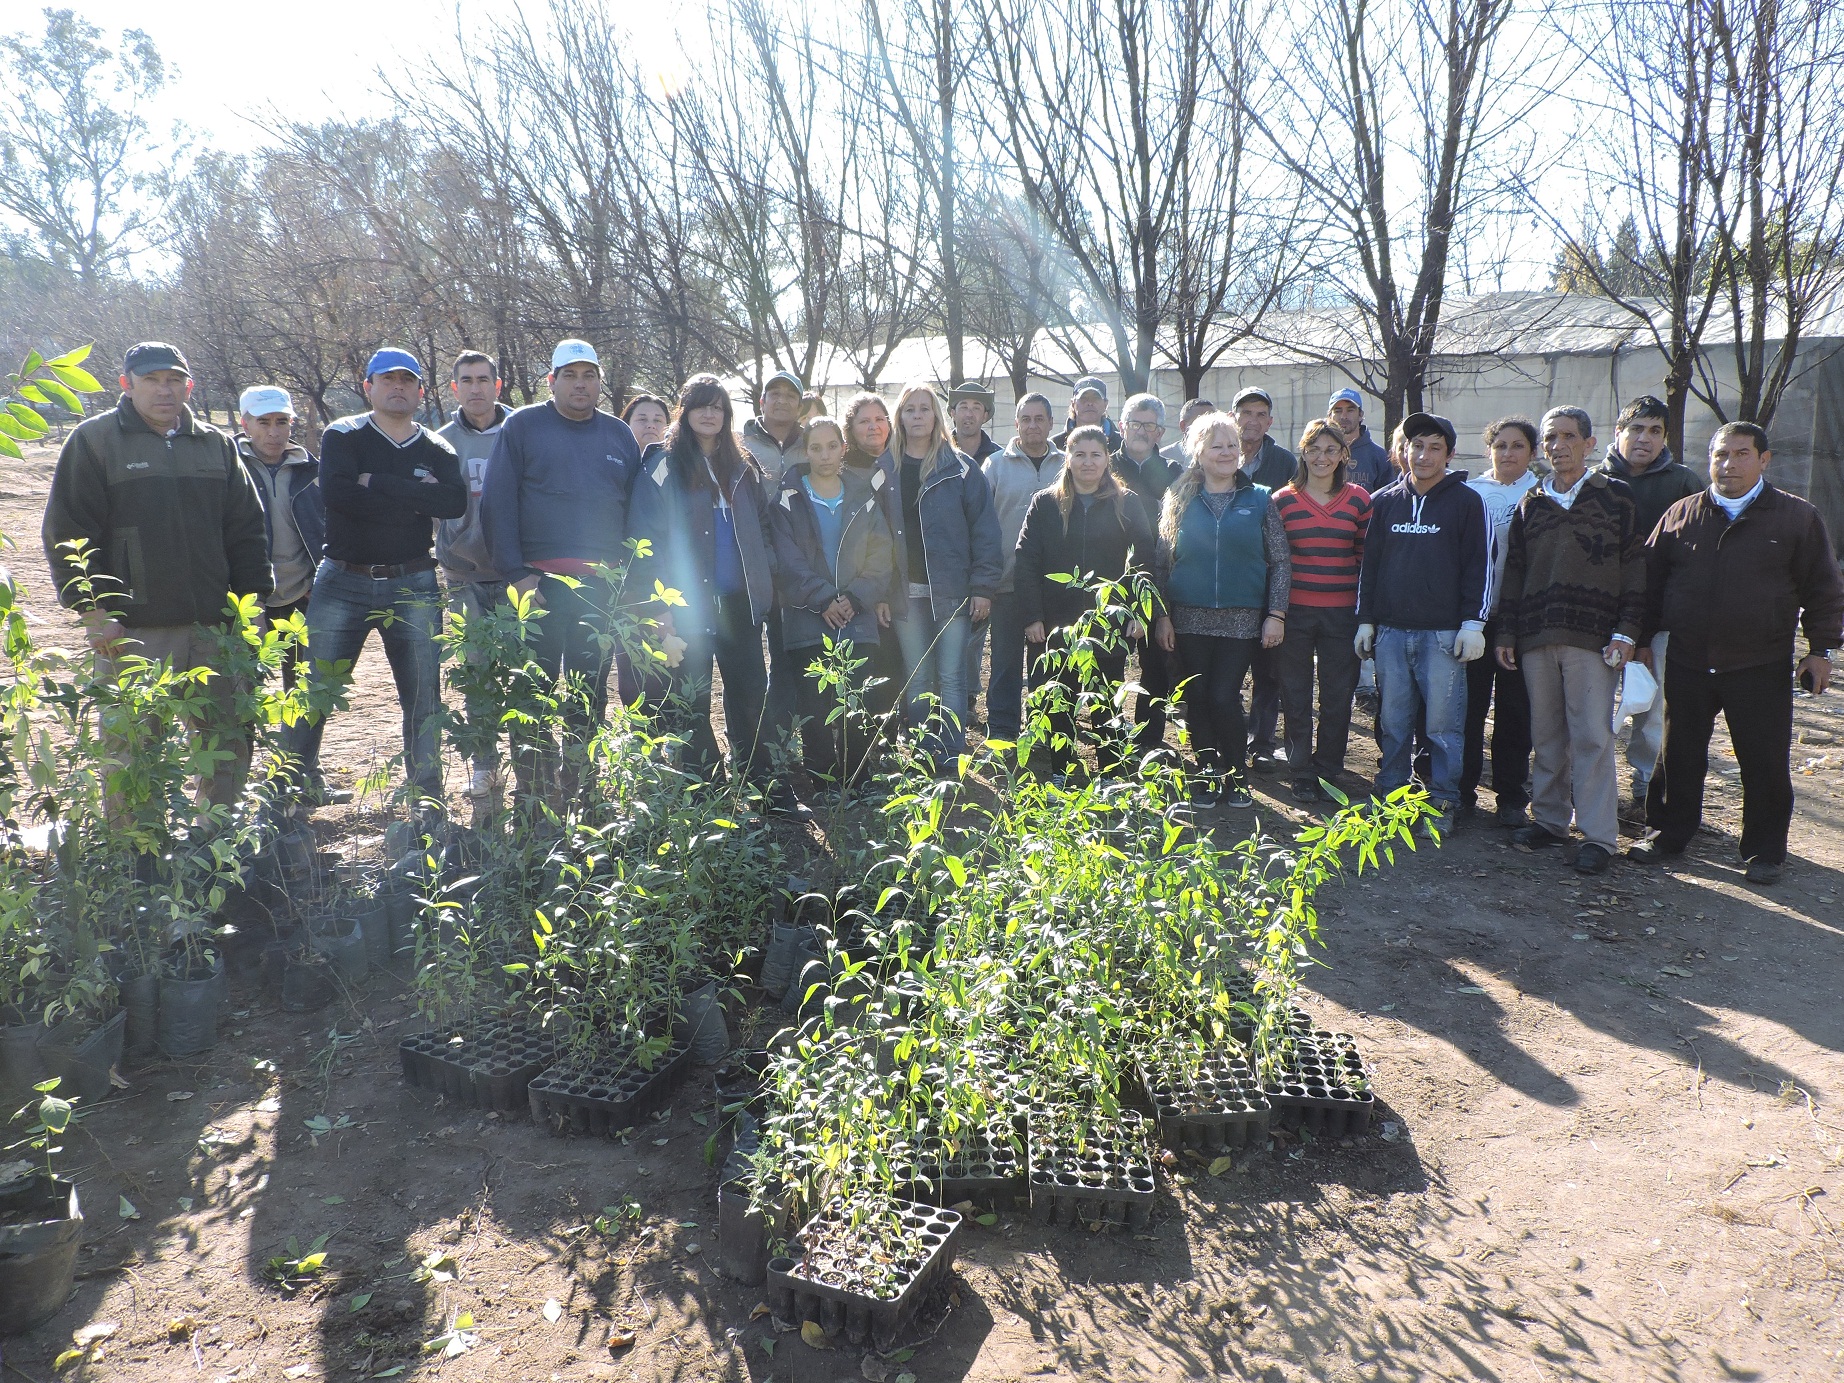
(1592, 859)
(1440, 825)
(1466, 812)
(1633, 810)
(1763, 872)
(317, 794)
(1306, 790)
(1266, 759)
(1535, 837)
(1654, 851)
(1236, 794)
(481, 783)
(1203, 794)
(1513, 816)
(783, 803)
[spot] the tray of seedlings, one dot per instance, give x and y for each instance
(488, 1066)
(1089, 1168)
(607, 1094)
(980, 1161)
(1322, 1085)
(1207, 1103)
(864, 1266)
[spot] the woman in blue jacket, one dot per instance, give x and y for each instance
(699, 501)
(1224, 571)
(832, 548)
(947, 558)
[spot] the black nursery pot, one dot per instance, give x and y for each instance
(306, 983)
(189, 1001)
(81, 1056)
(41, 1228)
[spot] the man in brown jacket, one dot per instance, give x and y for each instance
(1729, 571)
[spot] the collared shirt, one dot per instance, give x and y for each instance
(1734, 507)
(1566, 498)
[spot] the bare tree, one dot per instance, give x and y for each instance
(1401, 119)
(79, 164)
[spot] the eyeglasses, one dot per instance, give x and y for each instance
(1145, 424)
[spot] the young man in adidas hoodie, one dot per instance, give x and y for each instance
(1423, 597)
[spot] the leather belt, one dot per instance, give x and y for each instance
(385, 572)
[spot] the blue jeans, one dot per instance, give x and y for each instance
(1005, 687)
(407, 613)
(935, 662)
(1416, 668)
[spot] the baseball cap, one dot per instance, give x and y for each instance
(390, 358)
(1421, 424)
(148, 356)
(1350, 396)
(1259, 394)
(978, 393)
(1088, 382)
(787, 377)
(574, 351)
(260, 400)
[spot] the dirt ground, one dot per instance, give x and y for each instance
(1610, 1151)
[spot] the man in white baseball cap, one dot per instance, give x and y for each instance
(288, 483)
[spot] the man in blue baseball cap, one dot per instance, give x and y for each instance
(1370, 464)
(386, 479)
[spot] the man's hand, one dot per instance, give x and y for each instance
(1034, 631)
(106, 634)
(1643, 657)
(979, 607)
(1469, 644)
(529, 587)
(1163, 635)
(1507, 658)
(1819, 667)
(1616, 653)
(883, 615)
(1135, 631)
(838, 614)
(1366, 641)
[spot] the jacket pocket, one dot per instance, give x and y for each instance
(128, 567)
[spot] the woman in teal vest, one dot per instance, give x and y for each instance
(1223, 569)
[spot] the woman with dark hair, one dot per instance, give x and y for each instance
(947, 557)
(699, 502)
(833, 549)
(1325, 516)
(1512, 445)
(1087, 523)
(648, 417)
(1224, 571)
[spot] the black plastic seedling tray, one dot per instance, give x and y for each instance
(814, 1285)
(1324, 1088)
(1106, 1177)
(608, 1095)
(1221, 1106)
(986, 1166)
(488, 1067)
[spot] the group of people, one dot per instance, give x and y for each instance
(913, 542)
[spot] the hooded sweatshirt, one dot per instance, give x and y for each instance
(461, 544)
(1427, 558)
(1655, 489)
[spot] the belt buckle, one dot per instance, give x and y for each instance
(380, 571)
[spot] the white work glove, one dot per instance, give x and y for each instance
(1366, 641)
(1469, 644)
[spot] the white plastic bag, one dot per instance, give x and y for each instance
(1638, 693)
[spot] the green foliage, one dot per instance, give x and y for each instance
(41, 383)
(51, 1116)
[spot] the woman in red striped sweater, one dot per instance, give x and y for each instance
(1325, 516)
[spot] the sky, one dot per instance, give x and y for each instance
(315, 60)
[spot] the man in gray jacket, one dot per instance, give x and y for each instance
(1029, 463)
(461, 544)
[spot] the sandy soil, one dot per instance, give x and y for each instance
(1610, 1151)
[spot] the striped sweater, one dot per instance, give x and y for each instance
(1327, 544)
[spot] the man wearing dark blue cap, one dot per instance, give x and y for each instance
(386, 480)
(1370, 464)
(172, 526)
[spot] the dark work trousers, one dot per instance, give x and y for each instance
(733, 644)
(1490, 687)
(573, 649)
(784, 678)
(1212, 700)
(277, 613)
(1757, 704)
(1317, 634)
(1155, 691)
(835, 749)
(1112, 667)
(1264, 700)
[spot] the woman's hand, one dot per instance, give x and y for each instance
(1163, 635)
(1034, 632)
(883, 615)
(838, 614)
(1273, 631)
(1136, 631)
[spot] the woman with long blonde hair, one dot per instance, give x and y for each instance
(947, 556)
(1224, 572)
